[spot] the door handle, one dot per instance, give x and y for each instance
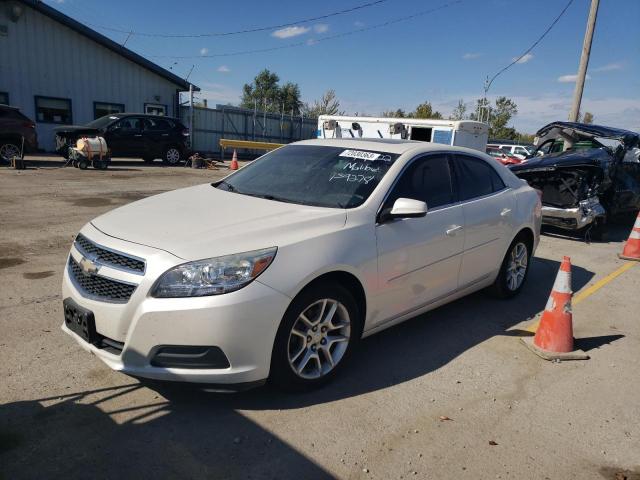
(505, 212)
(452, 231)
(138, 135)
(165, 134)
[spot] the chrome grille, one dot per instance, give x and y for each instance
(109, 257)
(99, 288)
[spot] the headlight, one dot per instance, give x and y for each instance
(213, 276)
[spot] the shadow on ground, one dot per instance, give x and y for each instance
(188, 432)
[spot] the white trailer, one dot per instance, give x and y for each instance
(462, 133)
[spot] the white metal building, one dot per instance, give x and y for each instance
(60, 72)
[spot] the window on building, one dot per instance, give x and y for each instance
(155, 109)
(4, 98)
(100, 109)
(53, 110)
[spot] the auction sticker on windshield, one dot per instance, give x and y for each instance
(361, 154)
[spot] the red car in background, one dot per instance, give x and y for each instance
(502, 156)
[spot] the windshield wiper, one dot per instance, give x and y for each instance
(230, 188)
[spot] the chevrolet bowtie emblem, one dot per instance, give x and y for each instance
(88, 266)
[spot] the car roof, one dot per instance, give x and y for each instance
(149, 115)
(390, 145)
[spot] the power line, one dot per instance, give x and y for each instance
(249, 30)
(316, 40)
(530, 48)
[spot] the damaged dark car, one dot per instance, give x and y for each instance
(588, 174)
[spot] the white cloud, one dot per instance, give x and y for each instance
(288, 32)
(525, 58)
(471, 56)
(609, 67)
(204, 51)
(358, 24)
(312, 41)
(570, 78)
(321, 28)
(223, 69)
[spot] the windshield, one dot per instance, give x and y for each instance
(102, 121)
(321, 176)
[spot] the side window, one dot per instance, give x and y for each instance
(427, 179)
(130, 124)
(476, 178)
(159, 124)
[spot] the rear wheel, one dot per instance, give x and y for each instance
(8, 150)
(317, 335)
(172, 155)
(514, 269)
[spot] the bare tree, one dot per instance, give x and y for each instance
(328, 104)
(459, 112)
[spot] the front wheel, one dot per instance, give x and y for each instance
(316, 337)
(513, 271)
(172, 156)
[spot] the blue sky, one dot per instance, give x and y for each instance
(438, 57)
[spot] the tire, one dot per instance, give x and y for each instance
(598, 230)
(172, 155)
(8, 150)
(289, 370)
(505, 286)
(83, 164)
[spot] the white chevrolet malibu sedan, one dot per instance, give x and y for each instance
(277, 271)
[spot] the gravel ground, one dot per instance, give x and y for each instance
(450, 394)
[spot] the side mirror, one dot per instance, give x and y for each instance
(404, 208)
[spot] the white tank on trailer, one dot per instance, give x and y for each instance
(462, 133)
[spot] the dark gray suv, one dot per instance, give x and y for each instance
(17, 134)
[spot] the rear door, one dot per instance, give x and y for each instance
(158, 133)
(419, 258)
(124, 137)
(489, 207)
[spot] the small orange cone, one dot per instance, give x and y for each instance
(234, 161)
(554, 338)
(631, 249)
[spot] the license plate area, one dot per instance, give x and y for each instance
(80, 321)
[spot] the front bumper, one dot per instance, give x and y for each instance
(573, 218)
(243, 324)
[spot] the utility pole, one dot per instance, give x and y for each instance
(584, 61)
(191, 115)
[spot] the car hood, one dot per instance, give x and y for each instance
(583, 131)
(202, 222)
(591, 157)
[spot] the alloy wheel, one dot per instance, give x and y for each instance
(518, 264)
(172, 156)
(319, 338)
(8, 151)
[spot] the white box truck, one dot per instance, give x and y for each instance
(462, 133)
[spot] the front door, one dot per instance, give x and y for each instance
(419, 258)
(124, 137)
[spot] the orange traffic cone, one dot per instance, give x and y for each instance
(234, 161)
(554, 338)
(631, 249)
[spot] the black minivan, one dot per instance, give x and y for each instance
(132, 135)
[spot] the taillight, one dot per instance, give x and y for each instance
(29, 125)
(185, 132)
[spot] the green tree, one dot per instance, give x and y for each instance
(459, 112)
(266, 94)
(587, 118)
(497, 116)
(328, 104)
(399, 113)
(290, 98)
(425, 110)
